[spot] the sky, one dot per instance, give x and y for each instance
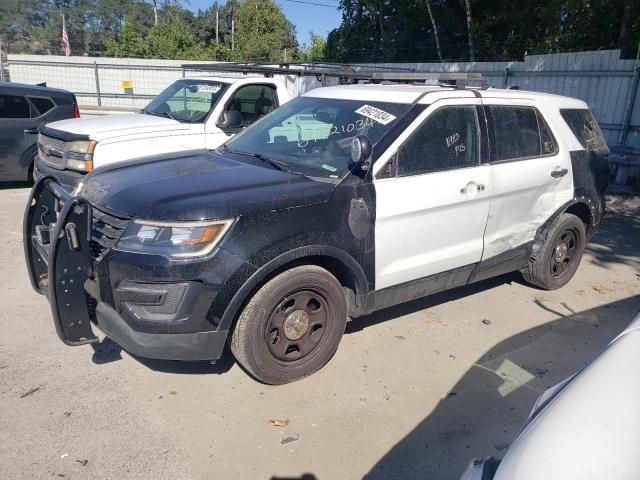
(305, 16)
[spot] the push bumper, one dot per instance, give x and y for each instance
(57, 243)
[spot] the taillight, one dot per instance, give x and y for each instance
(76, 111)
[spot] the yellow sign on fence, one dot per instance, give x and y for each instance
(126, 84)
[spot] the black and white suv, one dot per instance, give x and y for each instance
(343, 201)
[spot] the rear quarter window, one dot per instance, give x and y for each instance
(42, 104)
(585, 127)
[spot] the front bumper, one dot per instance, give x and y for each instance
(60, 252)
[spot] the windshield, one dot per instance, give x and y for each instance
(313, 135)
(187, 100)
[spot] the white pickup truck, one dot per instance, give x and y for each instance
(192, 113)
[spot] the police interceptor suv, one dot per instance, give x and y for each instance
(345, 200)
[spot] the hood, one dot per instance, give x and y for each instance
(198, 185)
(109, 126)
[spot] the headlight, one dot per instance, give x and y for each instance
(173, 240)
(79, 155)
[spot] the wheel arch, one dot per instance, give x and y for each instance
(336, 261)
(580, 207)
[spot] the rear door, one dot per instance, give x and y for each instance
(531, 174)
(432, 195)
(15, 137)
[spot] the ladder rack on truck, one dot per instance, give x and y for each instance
(347, 74)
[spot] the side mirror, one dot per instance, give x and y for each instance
(361, 151)
(230, 119)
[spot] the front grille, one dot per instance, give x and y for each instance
(105, 233)
(49, 150)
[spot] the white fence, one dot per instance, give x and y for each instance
(608, 84)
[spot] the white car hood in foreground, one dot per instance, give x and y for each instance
(591, 429)
(113, 126)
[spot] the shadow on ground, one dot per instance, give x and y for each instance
(485, 409)
(618, 238)
(108, 351)
(15, 185)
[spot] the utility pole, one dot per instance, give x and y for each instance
(155, 12)
(217, 23)
(1, 63)
(285, 55)
(233, 33)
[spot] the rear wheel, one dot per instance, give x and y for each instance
(292, 326)
(560, 255)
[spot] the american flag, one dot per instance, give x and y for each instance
(65, 39)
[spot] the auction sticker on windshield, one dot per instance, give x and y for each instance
(208, 88)
(376, 114)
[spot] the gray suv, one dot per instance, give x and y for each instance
(23, 110)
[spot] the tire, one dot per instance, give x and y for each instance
(292, 325)
(556, 264)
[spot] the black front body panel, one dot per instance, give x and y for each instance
(150, 304)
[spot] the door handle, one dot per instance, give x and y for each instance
(31, 131)
(558, 173)
(470, 186)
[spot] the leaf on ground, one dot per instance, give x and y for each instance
(599, 288)
(280, 422)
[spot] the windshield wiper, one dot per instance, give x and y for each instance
(160, 114)
(279, 164)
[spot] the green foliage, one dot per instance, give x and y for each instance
(400, 30)
(315, 51)
(130, 44)
(262, 32)
(125, 28)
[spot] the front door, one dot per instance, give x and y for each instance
(432, 197)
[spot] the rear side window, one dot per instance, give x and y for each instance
(14, 106)
(42, 104)
(520, 132)
(585, 128)
(447, 139)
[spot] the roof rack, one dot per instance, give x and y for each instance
(346, 73)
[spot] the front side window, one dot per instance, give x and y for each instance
(447, 139)
(14, 106)
(254, 102)
(188, 101)
(314, 135)
(520, 132)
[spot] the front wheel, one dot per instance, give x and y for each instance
(560, 255)
(292, 325)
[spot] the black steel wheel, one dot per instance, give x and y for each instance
(297, 324)
(564, 252)
(559, 258)
(292, 326)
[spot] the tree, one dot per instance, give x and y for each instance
(131, 43)
(315, 51)
(472, 53)
(435, 29)
(262, 32)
